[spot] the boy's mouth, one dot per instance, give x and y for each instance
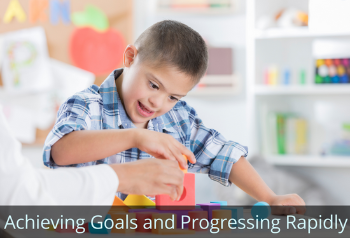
(143, 110)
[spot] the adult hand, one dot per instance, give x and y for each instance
(151, 177)
(163, 146)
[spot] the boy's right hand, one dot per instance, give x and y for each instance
(151, 177)
(162, 146)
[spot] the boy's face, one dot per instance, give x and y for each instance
(149, 92)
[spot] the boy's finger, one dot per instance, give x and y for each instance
(283, 210)
(300, 210)
(188, 154)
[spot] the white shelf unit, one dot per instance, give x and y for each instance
(217, 85)
(288, 48)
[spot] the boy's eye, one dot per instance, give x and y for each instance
(152, 85)
(173, 98)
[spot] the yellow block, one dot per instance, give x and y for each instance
(14, 10)
(133, 201)
(126, 217)
(161, 218)
(221, 215)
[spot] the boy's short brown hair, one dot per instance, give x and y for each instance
(172, 43)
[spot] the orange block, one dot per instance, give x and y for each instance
(37, 10)
(160, 222)
(187, 200)
(126, 217)
(118, 205)
(222, 215)
(184, 170)
(194, 224)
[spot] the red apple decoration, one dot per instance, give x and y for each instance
(95, 51)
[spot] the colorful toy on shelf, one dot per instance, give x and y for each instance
(332, 71)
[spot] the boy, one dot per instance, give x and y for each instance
(107, 124)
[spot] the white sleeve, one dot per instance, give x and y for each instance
(22, 184)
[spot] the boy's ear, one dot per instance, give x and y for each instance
(129, 55)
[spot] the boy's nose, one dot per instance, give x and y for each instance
(156, 102)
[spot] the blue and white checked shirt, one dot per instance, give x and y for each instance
(100, 108)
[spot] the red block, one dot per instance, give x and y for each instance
(187, 200)
(197, 215)
(141, 220)
(64, 230)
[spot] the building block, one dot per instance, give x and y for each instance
(209, 207)
(179, 214)
(196, 215)
(143, 210)
(135, 201)
(126, 217)
(221, 215)
(176, 232)
(261, 210)
(119, 205)
(187, 200)
(236, 212)
(222, 203)
(162, 218)
(104, 229)
(141, 220)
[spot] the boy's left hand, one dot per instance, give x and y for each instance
(287, 205)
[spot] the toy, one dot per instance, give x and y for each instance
(196, 215)
(209, 207)
(187, 200)
(133, 201)
(224, 216)
(126, 217)
(163, 221)
(261, 210)
(222, 203)
(184, 170)
(333, 71)
(118, 205)
(103, 230)
(236, 213)
(141, 219)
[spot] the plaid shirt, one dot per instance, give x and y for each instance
(100, 108)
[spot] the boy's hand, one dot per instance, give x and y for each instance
(162, 146)
(151, 177)
(287, 205)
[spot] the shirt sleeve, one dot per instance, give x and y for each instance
(214, 154)
(22, 184)
(73, 115)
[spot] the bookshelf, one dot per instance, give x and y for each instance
(215, 85)
(290, 48)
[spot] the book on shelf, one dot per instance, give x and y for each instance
(285, 134)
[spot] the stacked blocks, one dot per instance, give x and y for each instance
(134, 201)
(187, 200)
(119, 205)
(141, 220)
(236, 213)
(162, 222)
(222, 203)
(209, 207)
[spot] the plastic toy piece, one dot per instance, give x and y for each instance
(59, 8)
(222, 203)
(119, 205)
(141, 220)
(209, 207)
(167, 221)
(126, 217)
(261, 210)
(179, 214)
(236, 213)
(37, 10)
(184, 170)
(103, 230)
(222, 215)
(196, 215)
(133, 201)
(186, 201)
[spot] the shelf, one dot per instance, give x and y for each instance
(308, 160)
(302, 90)
(294, 32)
(217, 86)
(213, 91)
